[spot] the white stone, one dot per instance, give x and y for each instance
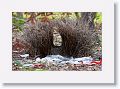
(37, 60)
(28, 65)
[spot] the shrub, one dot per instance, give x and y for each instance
(76, 42)
(39, 36)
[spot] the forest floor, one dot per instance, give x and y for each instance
(29, 64)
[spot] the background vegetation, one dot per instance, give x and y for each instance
(81, 32)
(20, 18)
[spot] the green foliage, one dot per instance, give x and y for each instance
(17, 63)
(20, 18)
(18, 21)
(98, 18)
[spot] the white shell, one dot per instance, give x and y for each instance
(25, 55)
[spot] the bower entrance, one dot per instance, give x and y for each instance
(57, 39)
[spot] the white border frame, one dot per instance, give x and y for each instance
(104, 76)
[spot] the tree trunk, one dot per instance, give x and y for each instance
(87, 20)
